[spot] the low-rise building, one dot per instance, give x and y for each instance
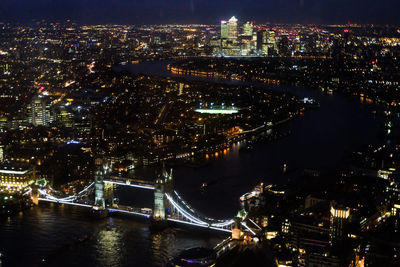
(15, 176)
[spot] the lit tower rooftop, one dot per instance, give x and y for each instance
(233, 19)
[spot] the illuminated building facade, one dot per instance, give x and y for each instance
(395, 212)
(216, 111)
(99, 184)
(39, 112)
(248, 29)
(224, 29)
(15, 176)
(270, 38)
(164, 184)
(245, 42)
(248, 41)
(230, 44)
(233, 28)
(236, 231)
(338, 220)
(266, 42)
(65, 116)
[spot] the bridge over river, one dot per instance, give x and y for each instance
(169, 206)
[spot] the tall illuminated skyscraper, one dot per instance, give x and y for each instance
(224, 29)
(248, 29)
(339, 219)
(270, 39)
(266, 42)
(233, 28)
(230, 44)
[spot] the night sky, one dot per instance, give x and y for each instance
(202, 11)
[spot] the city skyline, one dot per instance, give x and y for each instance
(236, 143)
(209, 12)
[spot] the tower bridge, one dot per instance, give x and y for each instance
(168, 206)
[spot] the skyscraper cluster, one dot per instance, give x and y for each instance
(245, 40)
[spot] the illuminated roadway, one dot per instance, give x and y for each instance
(182, 213)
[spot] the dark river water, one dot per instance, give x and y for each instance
(66, 236)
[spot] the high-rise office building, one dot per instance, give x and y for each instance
(230, 43)
(224, 29)
(248, 29)
(260, 40)
(396, 214)
(39, 112)
(266, 42)
(339, 219)
(64, 116)
(283, 45)
(233, 28)
(270, 38)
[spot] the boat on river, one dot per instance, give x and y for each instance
(310, 103)
(206, 185)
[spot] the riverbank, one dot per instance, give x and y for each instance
(217, 75)
(318, 140)
(12, 204)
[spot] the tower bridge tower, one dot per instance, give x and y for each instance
(109, 194)
(164, 184)
(99, 184)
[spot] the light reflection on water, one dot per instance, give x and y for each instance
(162, 245)
(68, 236)
(109, 245)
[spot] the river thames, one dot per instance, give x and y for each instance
(64, 236)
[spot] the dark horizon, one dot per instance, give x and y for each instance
(202, 12)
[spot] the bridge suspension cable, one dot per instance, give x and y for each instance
(183, 209)
(213, 222)
(193, 218)
(65, 199)
(183, 212)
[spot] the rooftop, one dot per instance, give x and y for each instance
(10, 167)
